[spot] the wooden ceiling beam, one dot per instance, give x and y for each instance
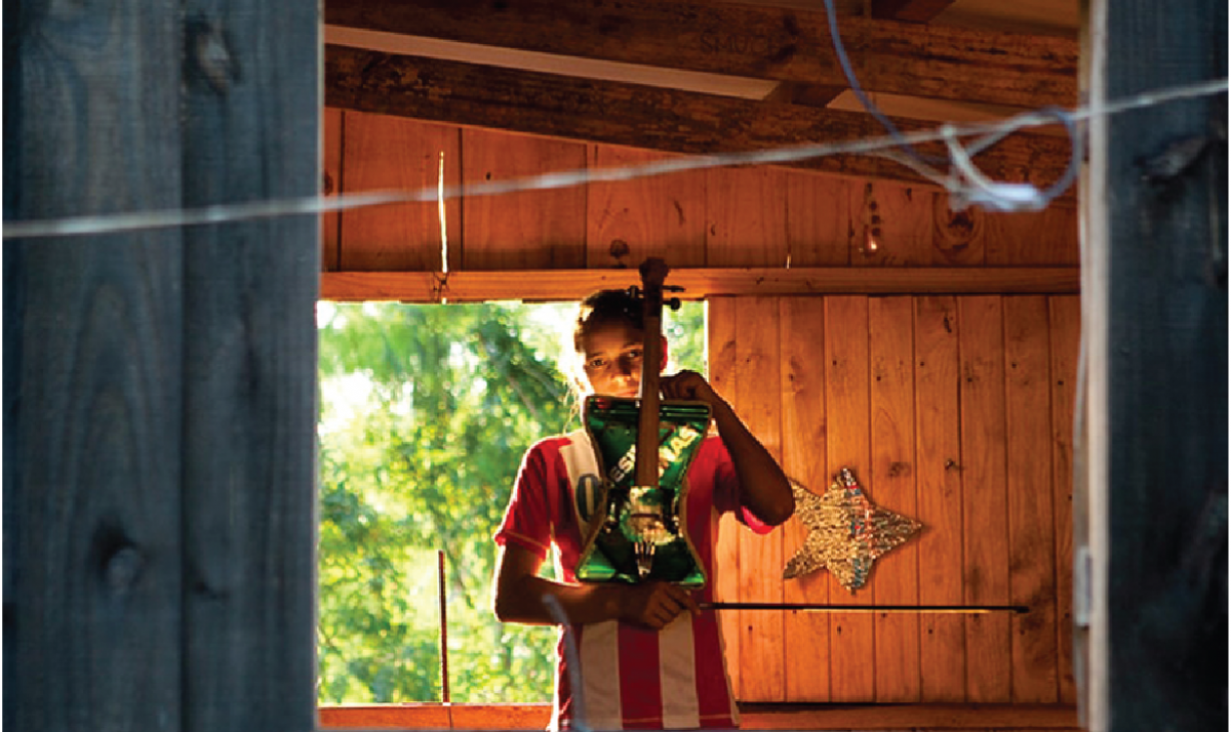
(653, 118)
(911, 11)
(816, 95)
(781, 44)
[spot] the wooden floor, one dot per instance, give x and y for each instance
(886, 717)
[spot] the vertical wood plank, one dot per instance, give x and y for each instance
(392, 153)
(762, 653)
(527, 230)
(846, 407)
(818, 215)
(250, 367)
(1065, 330)
(1032, 576)
(657, 216)
(1047, 237)
(746, 215)
(938, 451)
(720, 334)
(958, 237)
(803, 459)
(331, 185)
(892, 225)
(984, 497)
(892, 486)
(1155, 280)
(93, 355)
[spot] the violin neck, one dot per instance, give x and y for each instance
(653, 273)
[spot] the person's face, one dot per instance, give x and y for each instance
(613, 355)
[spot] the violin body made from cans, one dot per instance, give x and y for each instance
(638, 532)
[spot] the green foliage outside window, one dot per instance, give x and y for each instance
(425, 413)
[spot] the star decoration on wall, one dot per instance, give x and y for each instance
(846, 533)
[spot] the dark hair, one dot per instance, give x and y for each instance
(604, 307)
(600, 308)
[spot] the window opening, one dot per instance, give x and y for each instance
(425, 413)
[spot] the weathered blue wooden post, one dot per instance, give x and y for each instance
(159, 385)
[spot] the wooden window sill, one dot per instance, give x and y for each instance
(968, 717)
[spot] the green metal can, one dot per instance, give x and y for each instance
(639, 533)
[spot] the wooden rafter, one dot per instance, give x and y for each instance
(749, 41)
(639, 116)
(911, 11)
(815, 95)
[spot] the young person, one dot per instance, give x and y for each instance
(649, 657)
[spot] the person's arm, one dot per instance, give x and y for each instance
(519, 592)
(766, 490)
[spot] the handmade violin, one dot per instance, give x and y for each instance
(643, 447)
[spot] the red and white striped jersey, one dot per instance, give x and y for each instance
(631, 677)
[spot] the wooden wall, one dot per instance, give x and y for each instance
(722, 217)
(954, 410)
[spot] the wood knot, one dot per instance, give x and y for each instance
(122, 569)
(117, 561)
(619, 248)
(210, 52)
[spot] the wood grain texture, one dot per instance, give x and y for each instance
(817, 214)
(787, 44)
(937, 717)
(892, 486)
(526, 230)
(745, 218)
(846, 405)
(762, 649)
(938, 457)
(658, 216)
(1065, 336)
(720, 326)
(892, 224)
(1032, 572)
(1047, 237)
(1157, 360)
(649, 117)
(574, 284)
(913, 11)
(804, 435)
(249, 471)
(331, 185)
(93, 355)
(389, 153)
(921, 717)
(959, 237)
(984, 496)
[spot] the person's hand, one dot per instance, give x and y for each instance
(656, 604)
(689, 385)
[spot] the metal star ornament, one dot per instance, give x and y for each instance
(846, 533)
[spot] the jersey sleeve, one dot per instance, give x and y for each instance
(527, 520)
(728, 493)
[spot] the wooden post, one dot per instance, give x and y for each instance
(252, 131)
(159, 386)
(1151, 486)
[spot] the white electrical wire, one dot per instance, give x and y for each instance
(887, 146)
